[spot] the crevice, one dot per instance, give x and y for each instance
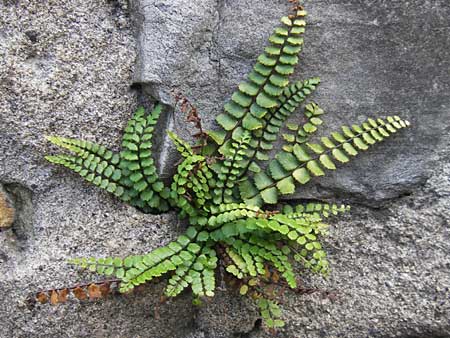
(166, 155)
(147, 94)
(367, 198)
(255, 329)
(216, 54)
(21, 199)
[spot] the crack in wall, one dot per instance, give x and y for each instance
(216, 45)
(21, 200)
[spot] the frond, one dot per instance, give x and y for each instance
(250, 252)
(305, 161)
(101, 173)
(290, 100)
(182, 146)
(84, 148)
(320, 209)
(269, 77)
(231, 168)
(228, 213)
(199, 274)
(136, 270)
(270, 313)
(93, 162)
(145, 189)
(190, 189)
(300, 133)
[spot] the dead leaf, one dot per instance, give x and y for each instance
(62, 295)
(42, 297)
(269, 290)
(275, 277)
(6, 212)
(255, 295)
(94, 291)
(79, 293)
(54, 297)
(105, 289)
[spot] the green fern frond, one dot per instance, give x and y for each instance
(145, 189)
(270, 312)
(199, 274)
(301, 133)
(289, 101)
(190, 189)
(305, 161)
(101, 173)
(182, 146)
(269, 77)
(249, 253)
(93, 162)
(230, 216)
(136, 270)
(84, 148)
(231, 168)
(130, 175)
(322, 209)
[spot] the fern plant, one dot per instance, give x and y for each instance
(229, 189)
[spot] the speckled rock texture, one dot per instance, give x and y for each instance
(66, 67)
(7, 210)
(79, 68)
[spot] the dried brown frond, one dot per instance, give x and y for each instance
(192, 116)
(92, 291)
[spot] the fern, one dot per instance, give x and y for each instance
(302, 162)
(131, 174)
(222, 188)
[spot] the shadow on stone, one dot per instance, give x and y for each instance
(165, 153)
(21, 199)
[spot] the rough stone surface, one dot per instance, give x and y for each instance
(7, 210)
(68, 67)
(21, 211)
(373, 61)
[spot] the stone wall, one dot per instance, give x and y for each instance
(80, 68)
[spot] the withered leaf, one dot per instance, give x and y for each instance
(255, 295)
(42, 297)
(54, 297)
(62, 295)
(94, 291)
(105, 289)
(269, 290)
(79, 293)
(275, 277)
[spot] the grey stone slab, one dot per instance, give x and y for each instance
(373, 60)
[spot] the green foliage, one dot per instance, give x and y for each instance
(131, 174)
(270, 312)
(222, 195)
(301, 162)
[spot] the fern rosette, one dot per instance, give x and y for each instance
(228, 190)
